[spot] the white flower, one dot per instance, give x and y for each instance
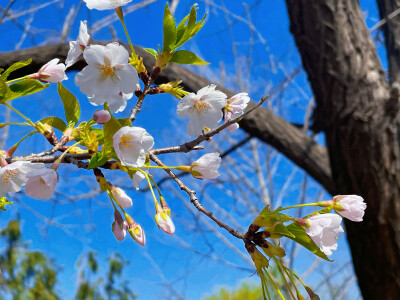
(105, 4)
(51, 72)
(234, 108)
(14, 176)
(164, 222)
(206, 167)
(107, 74)
(116, 103)
(138, 177)
(324, 230)
(41, 183)
(137, 233)
(351, 207)
(123, 199)
(204, 109)
(76, 47)
(131, 145)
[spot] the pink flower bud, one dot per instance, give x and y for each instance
(351, 207)
(123, 199)
(137, 234)
(165, 223)
(119, 226)
(101, 116)
(51, 72)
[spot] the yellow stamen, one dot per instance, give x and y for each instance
(126, 141)
(106, 71)
(8, 174)
(201, 106)
(42, 181)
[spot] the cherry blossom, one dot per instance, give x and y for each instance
(234, 108)
(323, 230)
(351, 207)
(41, 183)
(204, 109)
(131, 145)
(123, 199)
(50, 72)
(116, 103)
(101, 116)
(14, 176)
(119, 227)
(164, 222)
(107, 76)
(105, 4)
(76, 47)
(206, 167)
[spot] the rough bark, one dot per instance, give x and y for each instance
(388, 11)
(358, 114)
(263, 124)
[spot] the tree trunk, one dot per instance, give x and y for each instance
(358, 114)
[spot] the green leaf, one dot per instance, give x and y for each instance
(71, 105)
(26, 87)
(1, 70)
(186, 32)
(55, 122)
(151, 51)
(186, 58)
(281, 229)
(169, 30)
(301, 237)
(4, 202)
(14, 67)
(125, 122)
(110, 128)
(97, 160)
(4, 90)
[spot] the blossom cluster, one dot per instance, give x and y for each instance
(112, 77)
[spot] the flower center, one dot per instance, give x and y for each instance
(42, 181)
(106, 71)
(8, 174)
(201, 106)
(126, 141)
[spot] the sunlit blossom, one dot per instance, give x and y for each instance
(41, 183)
(234, 108)
(76, 47)
(323, 230)
(206, 167)
(131, 145)
(14, 176)
(204, 109)
(108, 75)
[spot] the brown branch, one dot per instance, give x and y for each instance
(195, 201)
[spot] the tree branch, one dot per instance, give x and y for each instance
(263, 124)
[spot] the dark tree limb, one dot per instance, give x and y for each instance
(263, 124)
(359, 114)
(391, 32)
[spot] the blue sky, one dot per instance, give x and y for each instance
(88, 221)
